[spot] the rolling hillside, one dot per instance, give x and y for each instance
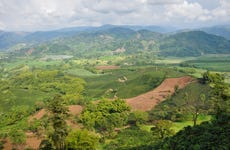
(193, 43)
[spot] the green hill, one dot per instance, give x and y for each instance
(193, 43)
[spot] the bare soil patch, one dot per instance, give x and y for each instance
(149, 100)
(32, 140)
(73, 110)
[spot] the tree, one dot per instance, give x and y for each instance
(195, 106)
(162, 129)
(208, 135)
(106, 115)
(138, 117)
(58, 114)
(81, 140)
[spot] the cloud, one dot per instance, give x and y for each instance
(187, 11)
(222, 13)
(164, 2)
(108, 6)
(50, 14)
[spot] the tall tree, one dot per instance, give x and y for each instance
(195, 105)
(58, 114)
(162, 129)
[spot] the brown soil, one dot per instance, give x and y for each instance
(73, 109)
(107, 67)
(32, 140)
(149, 100)
(38, 115)
(7, 145)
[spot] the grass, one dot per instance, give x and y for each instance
(177, 126)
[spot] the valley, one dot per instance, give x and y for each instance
(112, 87)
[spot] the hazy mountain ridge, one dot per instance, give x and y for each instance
(193, 43)
(223, 30)
(106, 39)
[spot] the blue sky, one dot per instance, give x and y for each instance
(30, 15)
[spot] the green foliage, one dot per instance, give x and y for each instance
(209, 135)
(58, 114)
(26, 87)
(162, 129)
(46, 145)
(131, 138)
(205, 136)
(183, 103)
(15, 114)
(17, 137)
(138, 117)
(139, 80)
(81, 140)
(106, 115)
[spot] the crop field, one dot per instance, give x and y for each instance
(213, 63)
(20, 97)
(173, 60)
(81, 72)
(127, 82)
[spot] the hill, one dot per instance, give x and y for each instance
(193, 43)
(108, 40)
(223, 31)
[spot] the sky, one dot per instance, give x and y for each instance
(32, 15)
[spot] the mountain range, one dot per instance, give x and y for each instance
(109, 38)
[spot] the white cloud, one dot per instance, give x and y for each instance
(222, 13)
(164, 2)
(49, 14)
(186, 11)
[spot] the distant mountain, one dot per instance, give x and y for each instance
(152, 28)
(110, 39)
(8, 39)
(223, 30)
(193, 43)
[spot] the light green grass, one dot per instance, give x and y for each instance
(177, 126)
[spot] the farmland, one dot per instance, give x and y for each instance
(113, 89)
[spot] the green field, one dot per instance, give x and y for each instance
(177, 126)
(137, 80)
(212, 62)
